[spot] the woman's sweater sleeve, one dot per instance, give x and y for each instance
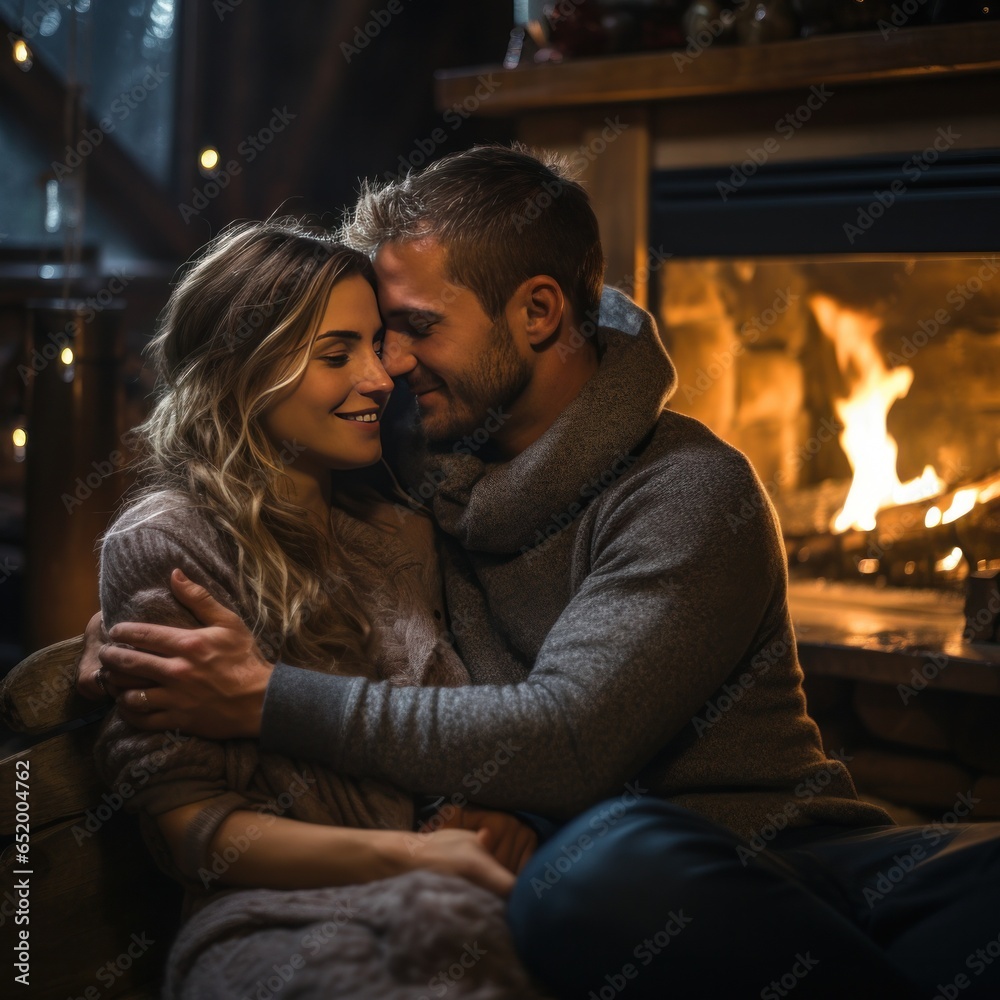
(155, 772)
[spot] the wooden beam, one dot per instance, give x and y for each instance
(945, 50)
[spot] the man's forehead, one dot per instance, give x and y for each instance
(411, 277)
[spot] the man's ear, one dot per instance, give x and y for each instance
(545, 308)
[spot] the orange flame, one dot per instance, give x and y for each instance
(869, 447)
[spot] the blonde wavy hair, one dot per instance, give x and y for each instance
(236, 333)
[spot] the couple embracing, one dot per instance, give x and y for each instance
(452, 745)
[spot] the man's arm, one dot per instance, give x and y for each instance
(673, 602)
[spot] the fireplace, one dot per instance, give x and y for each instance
(883, 373)
(864, 387)
(862, 379)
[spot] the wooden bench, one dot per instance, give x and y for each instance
(101, 915)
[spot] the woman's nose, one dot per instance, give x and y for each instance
(374, 379)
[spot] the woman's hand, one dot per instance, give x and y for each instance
(462, 853)
(509, 840)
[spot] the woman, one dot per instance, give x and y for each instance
(261, 481)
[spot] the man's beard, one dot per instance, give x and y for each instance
(499, 378)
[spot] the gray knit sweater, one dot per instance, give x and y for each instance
(390, 938)
(621, 606)
(399, 584)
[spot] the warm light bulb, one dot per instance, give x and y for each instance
(22, 54)
(208, 158)
(66, 357)
(19, 437)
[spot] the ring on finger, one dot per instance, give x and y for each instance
(143, 700)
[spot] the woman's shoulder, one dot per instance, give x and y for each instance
(160, 531)
(169, 511)
(166, 520)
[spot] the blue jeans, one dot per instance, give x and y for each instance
(651, 900)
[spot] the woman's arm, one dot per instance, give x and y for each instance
(273, 852)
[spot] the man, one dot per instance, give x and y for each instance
(634, 664)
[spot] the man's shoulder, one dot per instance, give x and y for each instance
(686, 477)
(687, 451)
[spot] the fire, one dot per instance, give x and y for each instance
(874, 387)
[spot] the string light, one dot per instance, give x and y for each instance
(66, 357)
(19, 437)
(208, 159)
(22, 54)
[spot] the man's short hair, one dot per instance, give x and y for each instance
(502, 214)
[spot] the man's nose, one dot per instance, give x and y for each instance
(397, 354)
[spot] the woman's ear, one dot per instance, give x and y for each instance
(545, 308)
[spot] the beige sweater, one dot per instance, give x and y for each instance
(400, 588)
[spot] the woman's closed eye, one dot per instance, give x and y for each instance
(335, 360)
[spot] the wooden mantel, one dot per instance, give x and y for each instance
(681, 109)
(866, 57)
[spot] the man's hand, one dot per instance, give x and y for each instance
(207, 682)
(91, 682)
(509, 840)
